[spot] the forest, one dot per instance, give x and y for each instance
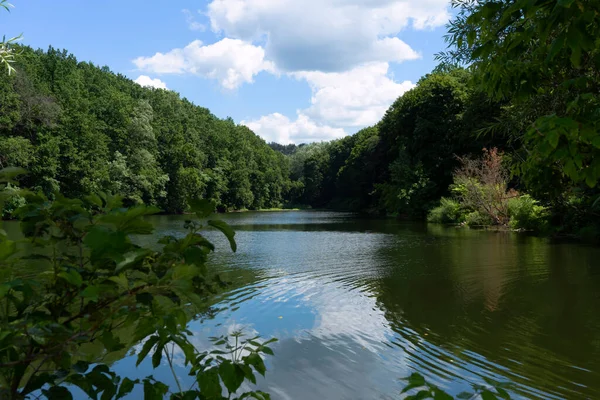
(79, 129)
(501, 130)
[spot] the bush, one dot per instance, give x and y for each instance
(525, 213)
(481, 184)
(477, 219)
(448, 212)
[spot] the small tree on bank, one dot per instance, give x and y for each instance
(481, 184)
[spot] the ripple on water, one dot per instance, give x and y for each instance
(358, 304)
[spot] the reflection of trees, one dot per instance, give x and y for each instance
(529, 308)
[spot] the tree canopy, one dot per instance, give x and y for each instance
(80, 129)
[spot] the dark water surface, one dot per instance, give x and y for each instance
(358, 303)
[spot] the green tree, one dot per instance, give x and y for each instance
(543, 57)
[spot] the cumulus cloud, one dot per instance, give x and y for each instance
(229, 61)
(144, 80)
(357, 98)
(340, 100)
(327, 35)
(192, 24)
(279, 128)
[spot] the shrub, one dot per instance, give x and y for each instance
(475, 218)
(481, 184)
(525, 213)
(448, 212)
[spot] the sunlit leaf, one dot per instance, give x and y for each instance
(227, 231)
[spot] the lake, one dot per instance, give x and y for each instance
(358, 303)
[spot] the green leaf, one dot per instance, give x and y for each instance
(232, 377)
(120, 280)
(195, 256)
(487, 395)
(439, 394)
(557, 45)
(94, 199)
(57, 393)
(210, 387)
(132, 259)
(202, 207)
(154, 390)
(416, 379)
(257, 362)
(7, 248)
(105, 244)
(502, 393)
(110, 342)
(126, 387)
(148, 345)
(81, 367)
(158, 353)
(248, 373)
(596, 141)
(227, 231)
(91, 293)
(72, 276)
(37, 381)
(553, 137)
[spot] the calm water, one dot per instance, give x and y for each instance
(358, 303)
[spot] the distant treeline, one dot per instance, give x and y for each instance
(528, 92)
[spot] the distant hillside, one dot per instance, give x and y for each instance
(78, 128)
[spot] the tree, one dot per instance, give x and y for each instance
(91, 130)
(543, 57)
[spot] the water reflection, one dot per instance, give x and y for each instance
(358, 303)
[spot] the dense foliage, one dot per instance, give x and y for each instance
(80, 129)
(404, 164)
(520, 76)
(99, 294)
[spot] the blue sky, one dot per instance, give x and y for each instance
(293, 71)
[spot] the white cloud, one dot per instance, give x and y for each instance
(327, 35)
(357, 98)
(144, 80)
(353, 99)
(191, 21)
(229, 61)
(279, 128)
